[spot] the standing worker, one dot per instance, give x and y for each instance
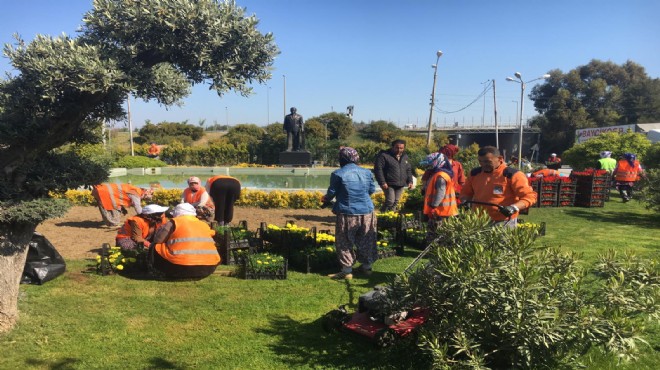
(393, 173)
(184, 246)
(439, 195)
(498, 184)
(225, 191)
(112, 200)
(355, 225)
(553, 162)
(606, 162)
(627, 172)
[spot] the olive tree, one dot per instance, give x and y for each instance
(64, 87)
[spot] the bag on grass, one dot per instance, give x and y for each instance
(43, 262)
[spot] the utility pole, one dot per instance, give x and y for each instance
(429, 134)
(284, 77)
(130, 125)
(497, 134)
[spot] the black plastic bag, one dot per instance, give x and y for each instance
(43, 262)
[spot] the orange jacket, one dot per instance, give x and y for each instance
(190, 244)
(546, 172)
(504, 186)
(126, 230)
(154, 149)
(196, 197)
(624, 172)
(448, 206)
(114, 196)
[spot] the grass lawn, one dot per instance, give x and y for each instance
(82, 321)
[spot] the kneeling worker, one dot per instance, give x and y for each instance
(141, 228)
(184, 246)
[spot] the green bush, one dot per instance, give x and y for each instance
(497, 300)
(586, 154)
(138, 162)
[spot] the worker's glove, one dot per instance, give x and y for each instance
(464, 205)
(508, 211)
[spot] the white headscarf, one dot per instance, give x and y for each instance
(184, 209)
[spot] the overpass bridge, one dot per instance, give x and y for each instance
(509, 136)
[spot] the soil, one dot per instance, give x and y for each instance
(81, 232)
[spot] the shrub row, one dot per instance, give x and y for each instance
(249, 198)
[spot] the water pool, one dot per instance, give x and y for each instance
(256, 178)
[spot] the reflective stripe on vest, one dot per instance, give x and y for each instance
(448, 205)
(626, 172)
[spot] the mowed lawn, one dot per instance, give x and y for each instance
(82, 320)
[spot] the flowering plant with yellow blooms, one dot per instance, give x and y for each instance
(116, 260)
(264, 262)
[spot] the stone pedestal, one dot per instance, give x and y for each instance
(300, 158)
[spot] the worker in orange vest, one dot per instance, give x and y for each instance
(113, 199)
(141, 228)
(627, 172)
(184, 246)
(545, 172)
(197, 195)
(439, 195)
(225, 191)
(153, 151)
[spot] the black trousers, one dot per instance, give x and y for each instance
(225, 192)
(171, 270)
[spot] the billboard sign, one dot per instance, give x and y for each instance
(585, 134)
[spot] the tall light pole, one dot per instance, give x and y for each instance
(284, 79)
(522, 105)
(227, 117)
(435, 76)
(267, 105)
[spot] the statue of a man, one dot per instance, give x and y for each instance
(294, 128)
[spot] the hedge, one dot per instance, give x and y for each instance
(249, 198)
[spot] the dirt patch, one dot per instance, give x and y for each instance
(81, 232)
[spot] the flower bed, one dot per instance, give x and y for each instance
(263, 266)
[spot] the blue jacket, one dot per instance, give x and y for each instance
(352, 185)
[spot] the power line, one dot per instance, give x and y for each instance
(487, 88)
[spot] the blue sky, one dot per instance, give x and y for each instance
(377, 54)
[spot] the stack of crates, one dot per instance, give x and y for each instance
(592, 188)
(547, 193)
(566, 193)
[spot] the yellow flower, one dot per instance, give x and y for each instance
(132, 259)
(98, 258)
(329, 249)
(120, 267)
(259, 262)
(123, 260)
(112, 260)
(384, 244)
(266, 263)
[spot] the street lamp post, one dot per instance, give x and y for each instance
(522, 105)
(435, 75)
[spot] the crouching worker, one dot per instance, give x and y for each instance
(184, 246)
(141, 228)
(113, 199)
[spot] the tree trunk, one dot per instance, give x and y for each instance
(14, 241)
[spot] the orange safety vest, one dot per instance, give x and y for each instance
(125, 231)
(448, 206)
(546, 172)
(625, 172)
(114, 196)
(210, 181)
(190, 244)
(190, 197)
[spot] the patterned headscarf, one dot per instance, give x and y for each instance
(630, 158)
(348, 155)
(435, 162)
(605, 154)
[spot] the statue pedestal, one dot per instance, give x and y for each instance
(299, 158)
